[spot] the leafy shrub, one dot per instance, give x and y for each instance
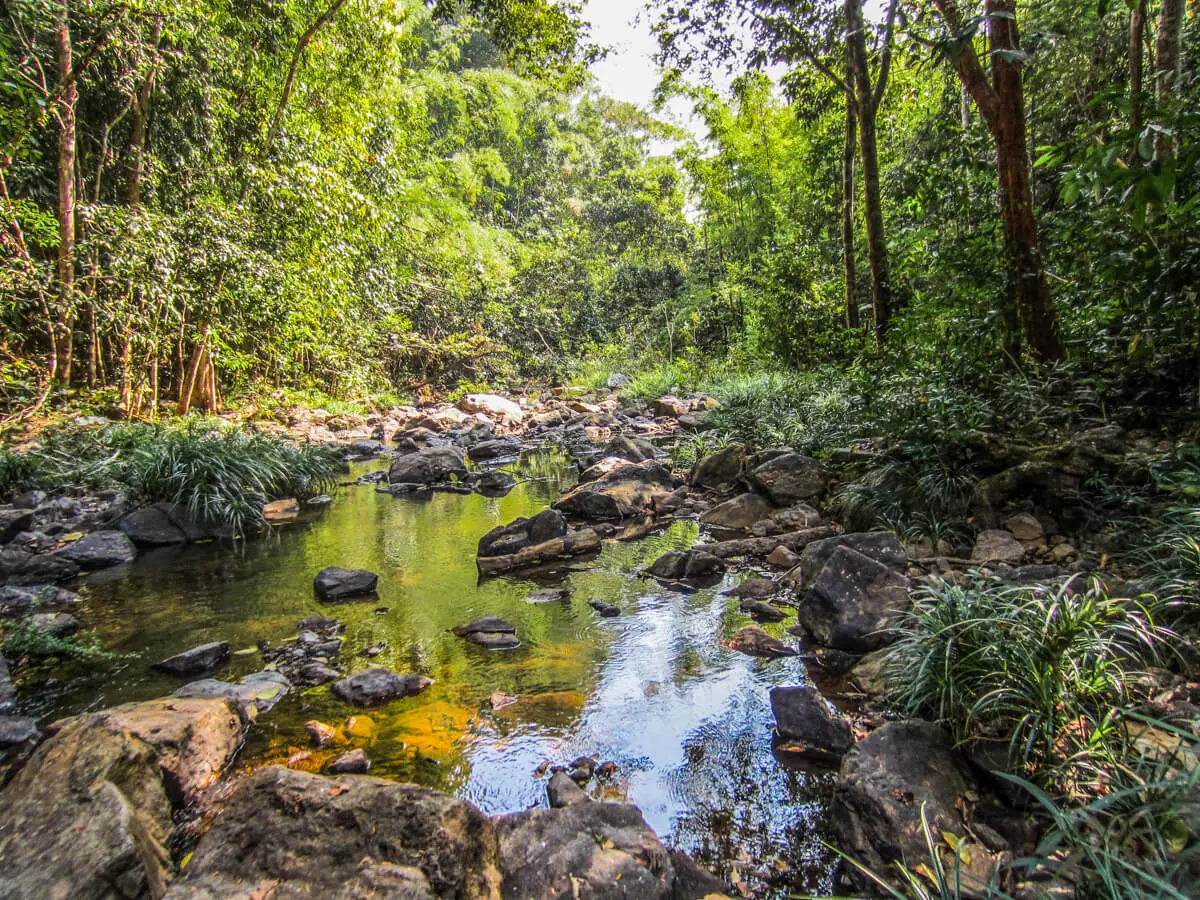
(22, 640)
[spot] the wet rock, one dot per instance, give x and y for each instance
(739, 513)
(152, 526)
(495, 484)
(630, 448)
(547, 595)
(683, 565)
(562, 791)
(868, 674)
(377, 686)
(13, 522)
(1024, 527)
(886, 781)
(200, 659)
(504, 540)
(17, 730)
(630, 490)
(90, 814)
(319, 500)
(485, 624)
(504, 447)
(8, 690)
(995, 545)
(312, 674)
(29, 499)
(22, 568)
(336, 584)
(431, 465)
(763, 611)
(57, 624)
(592, 850)
(257, 692)
(790, 477)
(366, 447)
(347, 838)
(719, 469)
(506, 411)
(494, 640)
(754, 589)
(16, 602)
(882, 546)
(852, 601)
(802, 715)
(319, 733)
(607, 610)
(753, 641)
(100, 550)
(353, 763)
(783, 557)
(280, 511)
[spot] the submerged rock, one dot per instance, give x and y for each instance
(20, 567)
(195, 661)
(335, 584)
(295, 834)
(504, 540)
(764, 611)
(353, 763)
(431, 465)
(607, 610)
(255, 693)
(378, 686)
(495, 484)
(100, 550)
(493, 624)
(803, 715)
(753, 641)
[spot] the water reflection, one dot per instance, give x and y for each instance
(687, 721)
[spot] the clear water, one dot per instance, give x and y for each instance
(687, 721)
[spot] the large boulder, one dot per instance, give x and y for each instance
(506, 411)
(90, 815)
(803, 716)
(336, 584)
(504, 540)
(294, 834)
(22, 568)
(13, 522)
(887, 782)
(790, 478)
(683, 565)
(881, 546)
(501, 447)
(997, 545)
(16, 601)
(100, 550)
(852, 602)
(630, 448)
(719, 469)
(152, 526)
(739, 513)
(195, 661)
(630, 490)
(428, 466)
(377, 686)
(593, 851)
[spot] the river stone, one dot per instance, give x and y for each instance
(996, 545)
(679, 565)
(1024, 527)
(366, 447)
(790, 477)
(377, 686)
(739, 513)
(335, 584)
(89, 816)
(719, 469)
(496, 449)
(885, 783)
(354, 762)
(633, 449)
(562, 791)
(20, 601)
(255, 693)
(802, 715)
(494, 640)
(504, 540)
(754, 589)
(58, 624)
(753, 641)
(783, 557)
(881, 546)
(596, 851)
(13, 522)
(100, 550)
(280, 511)
(764, 611)
(852, 602)
(293, 834)
(485, 624)
(22, 568)
(431, 465)
(195, 661)
(8, 690)
(508, 412)
(606, 610)
(495, 484)
(630, 490)
(152, 526)
(17, 730)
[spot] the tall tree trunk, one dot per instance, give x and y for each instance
(848, 261)
(1167, 61)
(141, 118)
(65, 319)
(1137, 53)
(1001, 103)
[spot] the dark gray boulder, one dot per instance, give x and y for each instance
(682, 565)
(336, 584)
(495, 484)
(20, 567)
(763, 611)
(882, 546)
(504, 540)
(195, 661)
(790, 478)
(630, 448)
(853, 601)
(802, 715)
(561, 790)
(495, 449)
(627, 490)
(719, 469)
(100, 550)
(378, 686)
(343, 838)
(494, 640)
(366, 447)
(16, 601)
(17, 730)
(152, 526)
(739, 513)
(431, 465)
(485, 624)
(13, 522)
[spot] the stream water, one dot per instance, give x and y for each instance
(687, 721)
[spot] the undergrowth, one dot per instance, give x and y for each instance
(24, 641)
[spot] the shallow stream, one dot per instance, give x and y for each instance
(687, 721)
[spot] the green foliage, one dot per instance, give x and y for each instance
(1039, 668)
(215, 474)
(23, 641)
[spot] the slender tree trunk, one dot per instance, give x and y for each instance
(1167, 62)
(141, 118)
(848, 261)
(65, 319)
(1137, 27)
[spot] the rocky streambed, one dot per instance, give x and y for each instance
(518, 653)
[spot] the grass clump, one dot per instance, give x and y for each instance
(23, 641)
(214, 473)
